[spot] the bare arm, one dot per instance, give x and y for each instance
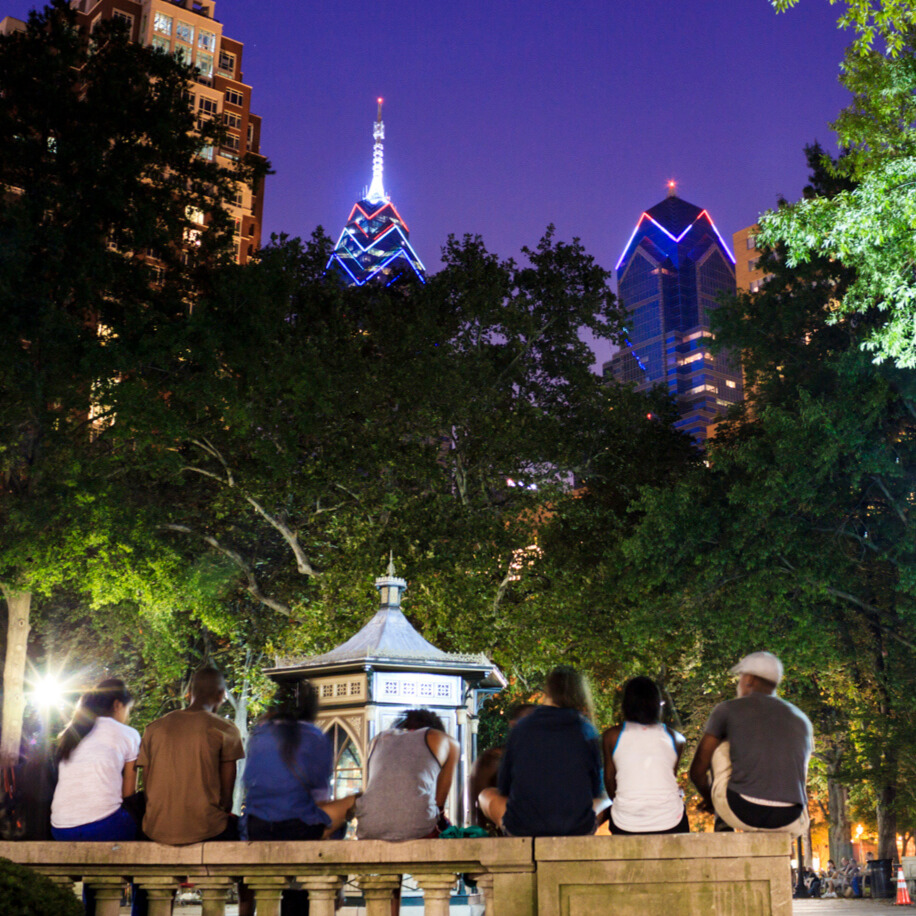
(699, 768)
(608, 741)
(129, 779)
(226, 783)
(445, 750)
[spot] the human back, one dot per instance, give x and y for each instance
(409, 774)
(550, 775)
(770, 745)
(641, 756)
(188, 759)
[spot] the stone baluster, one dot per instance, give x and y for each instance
(108, 891)
(212, 894)
(323, 891)
(377, 889)
(437, 889)
(485, 884)
(267, 893)
(160, 891)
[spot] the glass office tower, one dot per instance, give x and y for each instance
(669, 276)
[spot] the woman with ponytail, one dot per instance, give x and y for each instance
(96, 755)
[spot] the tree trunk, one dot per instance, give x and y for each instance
(840, 829)
(240, 716)
(18, 606)
(887, 822)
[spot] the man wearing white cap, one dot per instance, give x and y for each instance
(752, 761)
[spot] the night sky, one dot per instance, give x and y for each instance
(502, 117)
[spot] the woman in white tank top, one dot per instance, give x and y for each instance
(641, 757)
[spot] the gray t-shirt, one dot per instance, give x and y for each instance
(770, 746)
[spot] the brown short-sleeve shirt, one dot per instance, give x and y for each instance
(181, 755)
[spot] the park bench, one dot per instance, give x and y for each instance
(688, 875)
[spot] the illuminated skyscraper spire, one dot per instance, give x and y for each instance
(374, 245)
(376, 193)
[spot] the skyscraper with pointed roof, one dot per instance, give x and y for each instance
(374, 244)
(669, 276)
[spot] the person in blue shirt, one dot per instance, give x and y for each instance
(550, 781)
(287, 780)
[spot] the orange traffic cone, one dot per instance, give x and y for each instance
(903, 895)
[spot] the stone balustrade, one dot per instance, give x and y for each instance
(738, 874)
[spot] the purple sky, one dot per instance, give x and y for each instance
(503, 117)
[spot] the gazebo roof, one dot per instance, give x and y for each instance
(390, 640)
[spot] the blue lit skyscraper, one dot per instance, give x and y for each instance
(669, 276)
(374, 245)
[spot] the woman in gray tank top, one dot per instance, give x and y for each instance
(409, 774)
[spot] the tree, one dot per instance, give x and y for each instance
(868, 226)
(100, 250)
(890, 20)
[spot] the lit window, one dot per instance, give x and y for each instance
(161, 44)
(755, 286)
(752, 263)
(184, 32)
(205, 64)
(162, 24)
(206, 41)
(235, 98)
(730, 384)
(227, 62)
(207, 153)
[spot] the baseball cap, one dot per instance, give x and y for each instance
(760, 664)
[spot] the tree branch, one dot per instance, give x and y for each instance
(252, 588)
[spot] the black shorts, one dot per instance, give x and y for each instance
(767, 817)
(292, 829)
(682, 826)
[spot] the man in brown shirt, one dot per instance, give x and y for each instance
(188, 760)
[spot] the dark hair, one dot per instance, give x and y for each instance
(642, 701)
(294, 702)
(519, 711)
(93, 703)
(207, 684)
(419, 718)
(569, 689)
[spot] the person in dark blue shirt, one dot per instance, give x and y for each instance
(550, 780)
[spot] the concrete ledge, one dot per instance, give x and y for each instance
(739, 874)
(688, 875)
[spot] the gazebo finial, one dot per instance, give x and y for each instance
(391, 570)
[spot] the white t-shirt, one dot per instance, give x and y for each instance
(89, 781)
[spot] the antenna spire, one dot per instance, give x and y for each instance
(376, 192)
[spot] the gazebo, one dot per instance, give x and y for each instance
(367, 683)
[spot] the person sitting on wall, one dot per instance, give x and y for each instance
(409, 773)
(641, 757)
(485, 772)
(752, 762)
(550, 781)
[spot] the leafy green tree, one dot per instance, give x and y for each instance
(100, 250)
(890, 20)
(868, 226)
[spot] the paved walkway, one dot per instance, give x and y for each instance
(865, 907)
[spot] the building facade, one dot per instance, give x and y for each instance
(669, 276)
(375, 243)
(189, 29)
(749, 276)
